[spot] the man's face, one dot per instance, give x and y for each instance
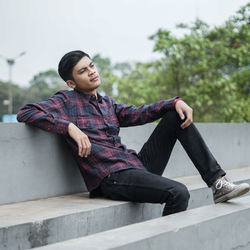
(86, 77)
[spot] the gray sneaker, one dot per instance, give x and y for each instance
(224, 190)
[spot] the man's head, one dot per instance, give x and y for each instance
(79, 72)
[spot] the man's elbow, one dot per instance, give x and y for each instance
(23, 114)
(20, 116)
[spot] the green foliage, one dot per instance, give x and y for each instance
(3, 96)
(107, 77)
(18, 97)
(43, 85)
(207, 67)
(139, 87)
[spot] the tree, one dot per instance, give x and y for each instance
(43, 85)
(18, 97)
(207, 67)
(105, 69)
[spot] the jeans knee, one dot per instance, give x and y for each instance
(179, 201)
(181, 197)
(171, 113)
(172, 116)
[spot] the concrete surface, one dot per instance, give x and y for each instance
(34, 223)
(36, 164)
(229, 143)
(25, 225)
(223, 226)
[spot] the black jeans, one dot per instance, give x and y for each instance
(149, 186)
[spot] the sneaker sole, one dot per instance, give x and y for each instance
(243, 189)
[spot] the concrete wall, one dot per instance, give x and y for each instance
(229, 143)
(36, 164)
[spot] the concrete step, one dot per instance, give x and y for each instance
(201, 195)
(30, 224)
(222, 226)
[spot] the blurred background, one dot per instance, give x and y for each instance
(145, 50)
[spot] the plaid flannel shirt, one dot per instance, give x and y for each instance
(100, 119)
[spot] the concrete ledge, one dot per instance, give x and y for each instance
(201, 195)
(35, 223)
(36, 164)
(222, 226)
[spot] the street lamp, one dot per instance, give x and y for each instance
(11, 62)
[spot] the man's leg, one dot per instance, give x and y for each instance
(149, 186)
(156, 151)
(138, 185)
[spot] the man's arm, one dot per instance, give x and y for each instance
(130, 115)
(51, 115)
(48, 115)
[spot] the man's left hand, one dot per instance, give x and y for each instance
(183, 109)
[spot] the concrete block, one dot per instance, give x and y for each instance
(229, 143)
(201, 195)
(36, 164)
(26, 225)
(35, 223)
(222, 226)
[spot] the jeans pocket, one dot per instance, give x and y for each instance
(111, 178)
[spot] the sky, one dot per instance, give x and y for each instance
(118, 29)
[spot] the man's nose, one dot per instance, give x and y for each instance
(91, 71)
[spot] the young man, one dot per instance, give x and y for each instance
(90, 124)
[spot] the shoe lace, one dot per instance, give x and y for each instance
(223, 182)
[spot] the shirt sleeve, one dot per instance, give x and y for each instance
(131, 115)
(49, 115)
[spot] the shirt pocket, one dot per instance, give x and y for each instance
(90, 123)
(83, 122)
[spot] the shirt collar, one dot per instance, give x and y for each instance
(90, 97)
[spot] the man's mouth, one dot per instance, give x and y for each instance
(94, 79)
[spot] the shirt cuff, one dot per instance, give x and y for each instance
(176, 100)
(61, 127)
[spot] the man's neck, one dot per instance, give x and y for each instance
(94, 92)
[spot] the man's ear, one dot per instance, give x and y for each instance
(71, 84)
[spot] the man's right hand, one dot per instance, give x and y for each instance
(82, 140)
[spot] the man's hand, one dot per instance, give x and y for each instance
(183, 109)
(82, 140)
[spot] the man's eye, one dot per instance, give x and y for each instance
(92, 65)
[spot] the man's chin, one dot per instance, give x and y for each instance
(98, 84)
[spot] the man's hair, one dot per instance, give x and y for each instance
(67, 63)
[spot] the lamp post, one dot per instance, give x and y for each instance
(11, 62)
